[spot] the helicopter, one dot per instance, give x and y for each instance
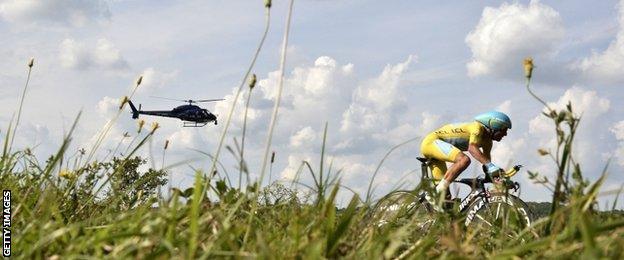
(191, 115)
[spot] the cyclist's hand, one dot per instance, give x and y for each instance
(505, 184)
(492, 168)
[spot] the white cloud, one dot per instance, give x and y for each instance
(376, 102)
(507, 152)
(592, 108)
(64, 12)
(364, 115)
(294, 163)
(429, 122)
(507, 34)
(153, 79)
(35, 136)
(108, 106)
(606, 66)
(303, 137)
(76, 55)
(618, 130)
(187, 137)
(505, 107)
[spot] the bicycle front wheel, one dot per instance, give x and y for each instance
(503, 213)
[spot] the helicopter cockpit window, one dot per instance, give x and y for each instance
(205, 113)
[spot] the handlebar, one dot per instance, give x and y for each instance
(505, 174)
(512, 171)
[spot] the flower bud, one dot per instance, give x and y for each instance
(528, 67)
(31, 62)
(252, 81)
(267, 3)
(542, 152)
(560, 117)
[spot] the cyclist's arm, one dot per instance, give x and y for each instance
(487, 148)
(476, 153)
(476, 142)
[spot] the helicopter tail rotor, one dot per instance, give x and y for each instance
(135, 112)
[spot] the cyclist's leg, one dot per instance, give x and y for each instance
(441, 152)
(460, 163)
(437, 169)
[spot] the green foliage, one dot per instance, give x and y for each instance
(111, 209)
(129, 187)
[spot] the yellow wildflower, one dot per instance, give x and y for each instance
(67, 174)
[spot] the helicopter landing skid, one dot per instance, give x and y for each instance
(194, 124)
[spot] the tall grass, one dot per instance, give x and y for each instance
(110, 209)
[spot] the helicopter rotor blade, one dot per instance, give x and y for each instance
(170, 99)
(190, 100)
(209, 100)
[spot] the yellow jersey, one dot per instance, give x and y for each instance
(462, 134)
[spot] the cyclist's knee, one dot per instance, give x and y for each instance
(463, 160)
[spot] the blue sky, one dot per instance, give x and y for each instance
(379, 73)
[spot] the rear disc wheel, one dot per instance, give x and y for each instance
(401, 208)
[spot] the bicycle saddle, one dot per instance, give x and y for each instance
(422, 159)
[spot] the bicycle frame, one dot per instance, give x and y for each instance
(477, 185)
(470, 206)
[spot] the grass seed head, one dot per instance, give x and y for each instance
(138, 82)
(155, 126)
(267, 3)
(528, 67)
(124, 100)
(166, 144)
(141, 124)
(31, 62)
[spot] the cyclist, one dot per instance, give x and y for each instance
(447, 143)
